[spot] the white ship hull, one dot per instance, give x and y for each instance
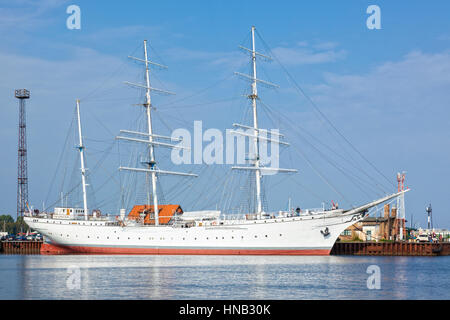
(301, 235)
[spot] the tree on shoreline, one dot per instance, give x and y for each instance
(7, 224)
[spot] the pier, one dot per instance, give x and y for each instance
(390, 249)
(339, 248)
(20, 247)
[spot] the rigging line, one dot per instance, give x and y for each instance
(203, 104)
(163, 121)
(321, 113)
(297, 127)
(318, 197)
(320, 175)
(199, 198)
(108, 78)
(60, 159)
(184, 188)
(216, 192)
(375, 211)
(155, 53)
(223, 199)
(342, 170)
(160, 193)
(64, 195)
(180, 193)
(197, 92)
(218, 181)
(100, 122)
(204, 189)
(106, 201)
(231, 197)
(328, 159)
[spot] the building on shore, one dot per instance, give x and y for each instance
(387, 227)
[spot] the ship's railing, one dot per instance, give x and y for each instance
(271, 215)
(80, 217)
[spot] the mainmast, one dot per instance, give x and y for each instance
(151, 150)
(257, 167)
(151, 141)
(83, 169)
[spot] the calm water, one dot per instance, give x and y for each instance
(220, 277)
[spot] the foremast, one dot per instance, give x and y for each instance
(254, 96)
(83, 169)
(257, 166)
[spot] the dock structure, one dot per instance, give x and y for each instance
(20, 247)
(397, 248)
(340, 248)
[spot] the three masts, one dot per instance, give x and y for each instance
(257, 233)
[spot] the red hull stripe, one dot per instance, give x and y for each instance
(53, 249)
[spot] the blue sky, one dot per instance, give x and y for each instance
(386, 90)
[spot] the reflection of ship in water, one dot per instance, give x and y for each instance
(157, 228)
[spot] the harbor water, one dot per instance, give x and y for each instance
(222, 277)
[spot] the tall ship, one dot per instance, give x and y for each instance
(155, 228)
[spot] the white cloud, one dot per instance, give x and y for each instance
(419, 81)
(28, 14)
(306, 53)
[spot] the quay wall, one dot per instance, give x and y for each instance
(391, 249)
(339, 248)
(20, 247)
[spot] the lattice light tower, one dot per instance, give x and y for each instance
(429, 211)
(22, 174)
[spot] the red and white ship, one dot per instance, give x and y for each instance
(170, 230)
